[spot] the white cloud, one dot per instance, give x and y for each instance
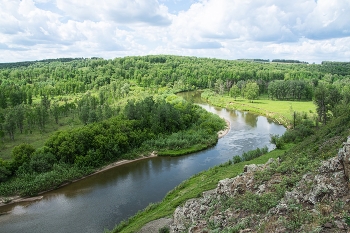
(303, 29)
(119, 11)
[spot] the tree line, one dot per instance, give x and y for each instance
(160, 125)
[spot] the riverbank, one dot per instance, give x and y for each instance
(19, 199)
(280, 111)
(222, 133)
(157, 215)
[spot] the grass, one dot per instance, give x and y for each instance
(37, 138)
(191, 188)
(282, 111)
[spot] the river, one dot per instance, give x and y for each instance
(101, 201)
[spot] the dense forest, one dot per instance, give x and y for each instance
(65, 117)
(33, 93)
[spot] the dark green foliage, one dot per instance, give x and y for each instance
(288, 61)
(109, 139)
(21, 154)
(28, 184)
(327, 97)
(252, 202)
(42, 161)
(237, 159)
(301, 131)
(347, 220)
(5, 171)
(164, 229)
(277, 140)
(290, 89)
(182, 125)
(246, 156)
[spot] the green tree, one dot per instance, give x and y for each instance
(19, 114)
(4, 171)
(9, 124)
(251, 91)
(21, 154)
(235, 91)
(3, 99)
(326, 98)
(56, 110)
(219, 86)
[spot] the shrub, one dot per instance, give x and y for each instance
(164, 229)
(21, 154)
(277, 140)
(247, 156)
(237, 159)
(4, 171)
(42, 161)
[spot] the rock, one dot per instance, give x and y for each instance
(327, 184)
(328, 225)
(340, 224)
(261, 189)
(245, 230)
(316, 193)
(344, 157)
(251, 168)
(155, 225)
(331, 165)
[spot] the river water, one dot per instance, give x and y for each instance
(101, 201)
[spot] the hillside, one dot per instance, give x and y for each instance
(305, 189)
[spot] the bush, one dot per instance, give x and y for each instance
(42, 161)
(237, 159)
(21, 154)
(5, 172)
(277, 140)
(300, 132)
(247, 156)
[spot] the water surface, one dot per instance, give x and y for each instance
(101, 201)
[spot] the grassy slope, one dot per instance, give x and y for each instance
(188, 189)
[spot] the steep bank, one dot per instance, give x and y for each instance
(319, 201)
(302, 167)
(304, 190)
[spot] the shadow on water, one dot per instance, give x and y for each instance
(103, 200)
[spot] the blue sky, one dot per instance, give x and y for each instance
(306, 30)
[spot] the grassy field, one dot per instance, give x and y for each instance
(191, 188)
(37, 138)
(281, 111)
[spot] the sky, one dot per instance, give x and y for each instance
(305, 30)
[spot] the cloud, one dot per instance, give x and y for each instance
(210, 28)
(328, 19)
(121, 11)
(202, 45)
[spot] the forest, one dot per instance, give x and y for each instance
(62, 118)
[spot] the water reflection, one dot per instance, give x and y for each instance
(103, 200)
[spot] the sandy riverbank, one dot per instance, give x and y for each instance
(222, 133)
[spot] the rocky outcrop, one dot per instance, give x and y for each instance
(344, 157)
(196, 214)
(312, 201)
